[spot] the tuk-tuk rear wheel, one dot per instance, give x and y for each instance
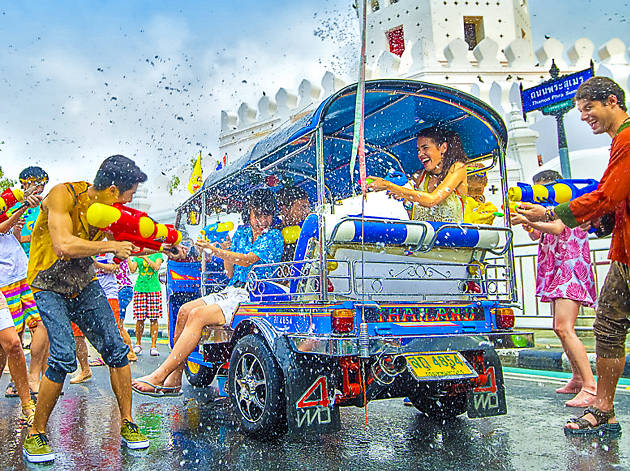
(440, 407)
(256, 385)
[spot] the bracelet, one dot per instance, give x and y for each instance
(550, 215)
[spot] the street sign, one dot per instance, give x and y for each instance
(553, 91)
(560, 107)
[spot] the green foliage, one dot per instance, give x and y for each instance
(4, 181)
(173, 184)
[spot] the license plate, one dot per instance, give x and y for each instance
(442, 365)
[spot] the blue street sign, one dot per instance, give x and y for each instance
(553, 91)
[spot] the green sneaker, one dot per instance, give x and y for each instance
(36, 449)
(132, 437)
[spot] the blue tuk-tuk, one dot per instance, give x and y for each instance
(368, 307)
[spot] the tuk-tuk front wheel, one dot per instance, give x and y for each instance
(256, 386)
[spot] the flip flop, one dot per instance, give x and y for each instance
(158, 391)
(97, 362)
(11, 391)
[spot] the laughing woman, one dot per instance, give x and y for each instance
(440, 187)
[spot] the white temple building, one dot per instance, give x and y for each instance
(480, 47)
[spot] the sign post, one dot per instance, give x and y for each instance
(554, 97)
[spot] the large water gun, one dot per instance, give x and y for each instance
(552, 194)
(8, 199)
(132, 225)
(217, 232)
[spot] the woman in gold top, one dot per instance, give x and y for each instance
(438, 189)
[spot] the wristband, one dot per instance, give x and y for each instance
(550, 215)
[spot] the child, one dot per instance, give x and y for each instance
(147, 298)
(564, 277)
(106, 271)
(477, 209)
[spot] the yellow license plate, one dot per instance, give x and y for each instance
(443, 365)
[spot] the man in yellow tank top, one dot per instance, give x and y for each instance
(61, 274)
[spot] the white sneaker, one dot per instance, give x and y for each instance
(154, 352)
(137, 350)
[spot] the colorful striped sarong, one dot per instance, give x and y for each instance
(21, 304)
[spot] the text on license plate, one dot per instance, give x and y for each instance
(444, 365)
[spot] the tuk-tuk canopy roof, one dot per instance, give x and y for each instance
(395, 112)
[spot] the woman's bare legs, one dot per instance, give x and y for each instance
(191, 320)
(565, 312)
(12, 347)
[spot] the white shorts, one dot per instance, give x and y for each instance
(228, 300)
(6, 320)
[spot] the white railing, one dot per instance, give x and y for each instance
(530, 311)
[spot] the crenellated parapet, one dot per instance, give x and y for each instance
(492, 74)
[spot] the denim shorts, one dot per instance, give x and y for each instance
(91, 312)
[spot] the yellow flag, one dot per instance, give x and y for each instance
(196, 179)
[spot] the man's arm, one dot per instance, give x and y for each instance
(31, 201)
(59, 203)
(613, 188)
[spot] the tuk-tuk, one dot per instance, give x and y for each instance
(369, 307)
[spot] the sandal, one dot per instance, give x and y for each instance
(11, 391)
(601, 423)
(97, 362)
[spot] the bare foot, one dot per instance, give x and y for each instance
(82, 377)
(572, 387)
(584, 398)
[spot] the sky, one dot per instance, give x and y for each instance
(81, 80)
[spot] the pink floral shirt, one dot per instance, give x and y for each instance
(122, 276)
(564, 268)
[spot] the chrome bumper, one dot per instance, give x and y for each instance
(337, 346)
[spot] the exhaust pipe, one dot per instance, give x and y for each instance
(385, 370)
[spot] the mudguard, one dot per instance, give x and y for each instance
(310, 382)
(489, 399)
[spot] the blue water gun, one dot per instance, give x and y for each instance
(395, 177)
(217, 232)
(552, 194)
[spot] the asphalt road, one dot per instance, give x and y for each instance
(196, 432)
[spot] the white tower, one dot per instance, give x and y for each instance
(396, 25)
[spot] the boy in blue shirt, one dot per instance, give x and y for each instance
(253, 244)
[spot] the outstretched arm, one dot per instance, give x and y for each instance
(455, 176)
(59, 203)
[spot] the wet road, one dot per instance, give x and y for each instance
(194, 432)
